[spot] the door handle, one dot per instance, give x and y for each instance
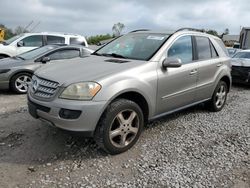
(219, 65)
(193, 72)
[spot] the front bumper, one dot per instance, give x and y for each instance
(4, 85)
(85, 121)
(4, 81)
(241, 74)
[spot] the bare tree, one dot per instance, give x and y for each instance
(117, 28)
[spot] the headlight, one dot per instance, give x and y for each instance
(81, 91)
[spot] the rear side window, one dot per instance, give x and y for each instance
(203, 48)
(64, 54)
(182, 49)
(77, 41)
(33, 41)
(55, 40)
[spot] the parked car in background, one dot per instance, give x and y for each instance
(29, 41)
(16, 72)
(136, 78)
(241, 67)
(232, 51)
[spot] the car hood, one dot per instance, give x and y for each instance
(240, 62)
(91, 68)
(12, 62)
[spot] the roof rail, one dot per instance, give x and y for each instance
(139, 30)
(190, 29)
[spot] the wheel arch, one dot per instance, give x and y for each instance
(19, 72)
(227, 80)
(5, 55)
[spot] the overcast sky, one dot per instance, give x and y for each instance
(91, 17)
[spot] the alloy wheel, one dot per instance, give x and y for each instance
(22, 83)
(124, 128)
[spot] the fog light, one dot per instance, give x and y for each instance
(69, 114)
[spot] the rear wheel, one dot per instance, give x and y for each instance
(120, 126)
(219, 98)
(19, 83)
(3, 56)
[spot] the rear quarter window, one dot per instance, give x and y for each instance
(222, 46)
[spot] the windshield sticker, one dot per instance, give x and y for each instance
(155, 37)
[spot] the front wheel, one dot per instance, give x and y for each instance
(219, 98)
(120, 126)
(20, 82)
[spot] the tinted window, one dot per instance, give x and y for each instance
(78, 41)
(55, 40)
(33, 41)
(182, 49)
(203, 48)
(64, 54)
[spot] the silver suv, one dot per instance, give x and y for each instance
(135, 78)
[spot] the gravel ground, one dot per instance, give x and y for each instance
(191, 148)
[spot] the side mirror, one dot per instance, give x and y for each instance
(171, 62)
(45, 59)
(20, 44)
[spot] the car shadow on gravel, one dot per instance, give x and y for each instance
(37, 143)
(8, 92)
(240, 87)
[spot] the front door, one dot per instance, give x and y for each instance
(30, 43)
(177, 86)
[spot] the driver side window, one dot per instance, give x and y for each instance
(182, 49)
(33, 41)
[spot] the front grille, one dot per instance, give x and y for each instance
(43, 88)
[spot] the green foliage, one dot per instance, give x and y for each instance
(8, 32)
(96, 39)
(213, 32)
(117, 28)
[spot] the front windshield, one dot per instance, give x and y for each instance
(242, 55)
(36, 52)
(140, 46)
(9, 41)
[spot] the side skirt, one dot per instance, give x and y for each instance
(176, 110)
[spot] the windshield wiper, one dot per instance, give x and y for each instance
(96, 53)
(114, 55)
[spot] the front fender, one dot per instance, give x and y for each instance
(147, 90)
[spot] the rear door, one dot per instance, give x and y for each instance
(177, 86)
(50, 39)
(209, 64)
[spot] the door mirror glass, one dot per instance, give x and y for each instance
(45, 59)
(20, 44)
(171, 62)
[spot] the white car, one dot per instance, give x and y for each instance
(29, 41)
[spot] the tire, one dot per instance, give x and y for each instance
(219, 98)
(119, 127)
(19, 82)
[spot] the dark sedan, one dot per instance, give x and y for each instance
(16, 72)
(241, 67)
